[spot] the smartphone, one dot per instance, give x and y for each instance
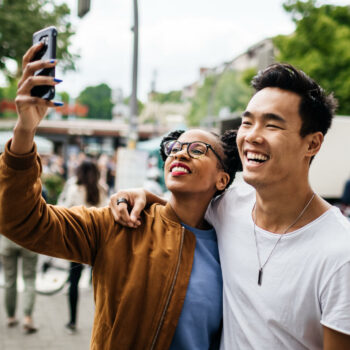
(48, 51)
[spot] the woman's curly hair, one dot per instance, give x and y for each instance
(231, 160)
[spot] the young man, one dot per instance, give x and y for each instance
(284, 251)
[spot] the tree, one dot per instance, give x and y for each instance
(140, 105)
(164, 97)
(320, 46)
(231, 92)
(98, 99)
(7, 96)
(227, 90)
(20, 19)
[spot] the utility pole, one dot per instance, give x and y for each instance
(132, 138)
(83, 7)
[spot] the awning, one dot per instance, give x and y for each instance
(44, 145)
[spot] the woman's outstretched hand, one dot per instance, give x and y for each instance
(31, 110)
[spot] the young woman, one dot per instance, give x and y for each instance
(156, 287)
(83, 189)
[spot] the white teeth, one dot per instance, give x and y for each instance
(256, 156)
(179, 169)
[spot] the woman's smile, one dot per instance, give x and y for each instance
(178, 169)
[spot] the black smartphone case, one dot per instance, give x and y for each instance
(48, 52)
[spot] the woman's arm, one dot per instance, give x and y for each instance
(138, 199)
(24, 215)
(73, 234)
(31, 110)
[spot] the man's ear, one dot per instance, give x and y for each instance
(314, 143)
(222, 180)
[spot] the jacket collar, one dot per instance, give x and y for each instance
(168, 213)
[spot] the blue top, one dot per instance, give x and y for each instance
(200, 320)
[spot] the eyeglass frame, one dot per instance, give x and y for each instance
(207, 145)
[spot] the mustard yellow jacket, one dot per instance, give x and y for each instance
(140, 276)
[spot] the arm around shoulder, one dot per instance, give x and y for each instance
(128, 214)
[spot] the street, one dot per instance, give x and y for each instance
(50, 316)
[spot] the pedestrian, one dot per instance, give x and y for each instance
(157, 288)
(11, 255)
(84, 190)
(284, 251)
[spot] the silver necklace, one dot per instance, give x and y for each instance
(261, 266)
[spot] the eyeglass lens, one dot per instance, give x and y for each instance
(195, 149)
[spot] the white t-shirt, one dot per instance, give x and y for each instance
(306, 282)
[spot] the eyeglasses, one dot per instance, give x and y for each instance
(195, 149)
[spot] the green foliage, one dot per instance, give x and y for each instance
(20, 19)
(98, 99)
(226, 90)
(64, 96)
(140, 105)
(200, 105)
(231, 92)
(54, 185)
(171, 97)
(248, 74)
(8, 93)
(320, 46)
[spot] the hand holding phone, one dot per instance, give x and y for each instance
(48, 37)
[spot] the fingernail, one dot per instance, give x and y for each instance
(52, 61)
(56, 80)
(58, 104)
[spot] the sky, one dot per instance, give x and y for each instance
(176, 38)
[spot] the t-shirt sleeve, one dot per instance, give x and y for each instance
(217, 207)
(335, 301)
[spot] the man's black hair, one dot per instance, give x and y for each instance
(227, 141)
(316, 107)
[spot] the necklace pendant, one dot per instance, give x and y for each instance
(260, 276)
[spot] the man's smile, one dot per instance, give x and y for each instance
(255, 158)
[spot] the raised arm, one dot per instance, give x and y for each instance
(24, 215)
(128, 213)
(31, 110)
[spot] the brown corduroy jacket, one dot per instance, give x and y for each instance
(140, 276)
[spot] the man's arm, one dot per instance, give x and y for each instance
(138, 199)
(335, 305)
(333, 340)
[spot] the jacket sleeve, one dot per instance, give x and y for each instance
(25, 218)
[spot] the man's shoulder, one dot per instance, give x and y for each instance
(238, 197)
(237, 192)
(335, 219)
(338, 225)
(332, 230)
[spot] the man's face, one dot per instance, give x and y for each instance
(269, 142)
